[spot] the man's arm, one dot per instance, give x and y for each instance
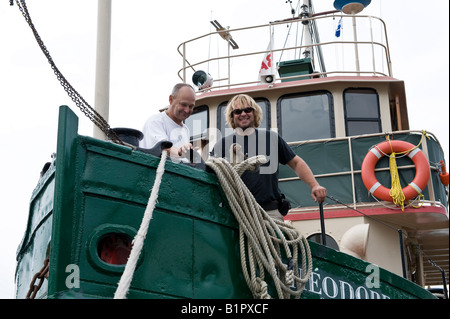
(303, 171)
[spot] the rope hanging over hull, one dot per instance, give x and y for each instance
(262, 238)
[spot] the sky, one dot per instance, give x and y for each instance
(144, 66)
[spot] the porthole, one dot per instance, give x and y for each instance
(114, 248)
(109, 247)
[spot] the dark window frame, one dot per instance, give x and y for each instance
(304, 94)
(197, 110)
(348, 119)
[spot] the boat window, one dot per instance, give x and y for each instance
(362, 111)
(225, 129)
(198, 122)
(306, 116)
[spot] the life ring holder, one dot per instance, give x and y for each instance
(419, 159)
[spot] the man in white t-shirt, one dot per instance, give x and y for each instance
(168, 125)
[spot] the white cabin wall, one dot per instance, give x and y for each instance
(383, 248)
(385, 113)
(339, 115)
(334, 227)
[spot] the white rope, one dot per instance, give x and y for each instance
(261, 237)
(138, 241)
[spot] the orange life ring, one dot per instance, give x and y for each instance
(420, 161)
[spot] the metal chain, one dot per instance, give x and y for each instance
(41, 274)
(91, 113)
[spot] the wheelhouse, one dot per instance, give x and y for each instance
(332, 118)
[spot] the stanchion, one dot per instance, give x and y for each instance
(402, 252)
(322, 224)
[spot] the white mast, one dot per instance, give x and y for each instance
(102, 63)
(307, 37)
(353, 7)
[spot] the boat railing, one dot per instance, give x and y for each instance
(368, 49)
(436, 193)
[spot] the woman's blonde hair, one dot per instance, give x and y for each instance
(242, 101)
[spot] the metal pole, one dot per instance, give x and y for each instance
(307, 37)
(355, 38)
(229, 64)
(322, 224)
(402, 252)
(444, 281)
(102, 63)
(184, 62)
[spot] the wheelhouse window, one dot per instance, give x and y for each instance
(198, 122)
(226, 130)
(306, 116)
(362, 112)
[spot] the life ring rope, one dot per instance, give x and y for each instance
(396, 194)
(411, 203)
(411, 151)
(396, 191)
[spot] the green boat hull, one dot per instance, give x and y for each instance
(95, 188)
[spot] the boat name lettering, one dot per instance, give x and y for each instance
(333, 288)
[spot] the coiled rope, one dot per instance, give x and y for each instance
(262, 238)
(138, 241)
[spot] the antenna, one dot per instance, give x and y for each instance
(224, 34)
(292, 9)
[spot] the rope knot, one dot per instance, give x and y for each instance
(289, 277)
(251, 164)
(262, 290)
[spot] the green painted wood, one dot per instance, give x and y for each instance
(192, 246)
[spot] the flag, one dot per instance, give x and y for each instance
(339, 28)
(266, 71)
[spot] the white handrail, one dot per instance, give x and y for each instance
(193, 45)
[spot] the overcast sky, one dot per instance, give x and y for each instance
(144, 66)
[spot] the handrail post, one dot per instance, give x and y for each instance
(322, 224)
(444, 282)
(184, 62)
(402, 252)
